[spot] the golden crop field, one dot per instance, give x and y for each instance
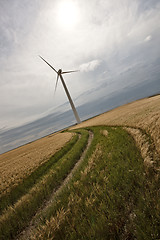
(112, 175)
(144, 114)
(20, 162)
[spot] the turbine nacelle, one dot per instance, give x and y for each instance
(59, 71)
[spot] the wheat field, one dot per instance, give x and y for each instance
(19, 163)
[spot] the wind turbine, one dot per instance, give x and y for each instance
(59, 74)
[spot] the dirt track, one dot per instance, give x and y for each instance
(31, 228)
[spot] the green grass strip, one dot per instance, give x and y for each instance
(23, 187)
(16, 218)
(62, 199)
(110, 196)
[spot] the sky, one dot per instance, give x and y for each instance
(114, 44)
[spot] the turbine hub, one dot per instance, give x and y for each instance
(59, 71)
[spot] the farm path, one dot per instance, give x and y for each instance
(26, 233)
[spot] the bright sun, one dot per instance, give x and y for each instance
(67, 14)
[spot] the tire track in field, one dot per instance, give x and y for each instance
(26, 233)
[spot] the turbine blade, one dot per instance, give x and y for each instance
(48, 64)
(70, 71)
(56, 84)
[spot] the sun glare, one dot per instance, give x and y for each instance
(67, 14)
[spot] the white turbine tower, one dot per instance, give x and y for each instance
(59, 74)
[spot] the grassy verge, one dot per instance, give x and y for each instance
(110, 197)
(15, 218)
(23, 187)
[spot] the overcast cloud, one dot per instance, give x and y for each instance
(89, 66)
(114, 44)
